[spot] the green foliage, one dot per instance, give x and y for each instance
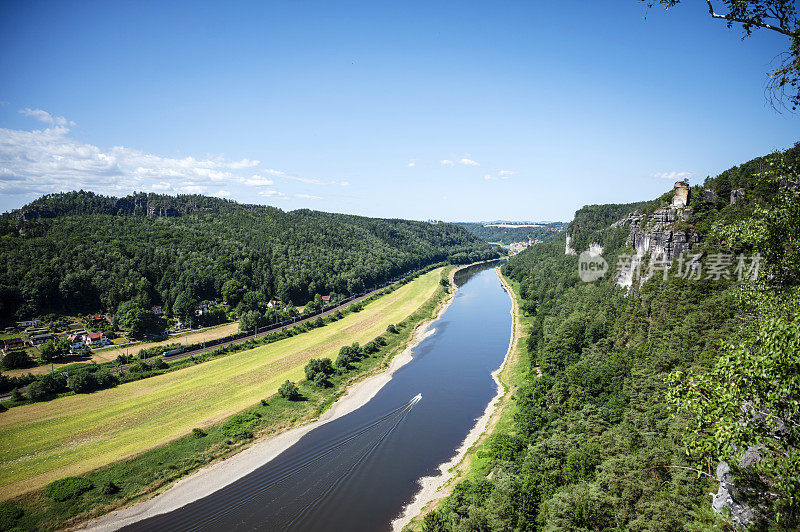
(290, 391)
(318, 370)
(115, 254)
(240, 426)
(628, 394)
(9, 515)
(67, 488)
(198, 433)
(392, 328)
(16, 360)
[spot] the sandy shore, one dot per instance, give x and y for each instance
(220, 474)
(430, 486)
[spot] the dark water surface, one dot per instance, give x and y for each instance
(359, 471)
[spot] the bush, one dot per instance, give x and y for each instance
(9, 514)
(391, 329)
(109, 488)
(264, 402)
(159, 363)
(16, 360)
(321, 380)
(36, 391)
(67, 488)
(240, 426)
(321, 365)
(289, 390)
(198, 433)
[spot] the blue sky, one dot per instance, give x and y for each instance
(454, 111)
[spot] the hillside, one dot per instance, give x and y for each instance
(638, 399)
(80, 252)
(506, 233)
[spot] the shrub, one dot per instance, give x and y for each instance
(391, 329)
(109, 488)
(289, 390)
(318, 365)
(9, 514)
(321, 380)
(36, 391)
(198, 433)
(159, 363)
(240, 426)
(264, 402)
(16, 360)
(67, 488)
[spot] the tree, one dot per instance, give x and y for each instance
(48, 352)
(16, 359)
(185, 308)
(775, 15)
(232, 292)
(289, 390)
(138, 320)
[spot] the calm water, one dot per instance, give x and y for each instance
(359, 471)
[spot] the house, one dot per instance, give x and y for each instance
(326, 300)
(10, 343)
(158, 311)
(97, 318)
(272, 304)
(28, 323)
(38, 339)
(75, 341)
(95, 339)
(202, 308)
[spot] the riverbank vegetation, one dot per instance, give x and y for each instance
(632, 397)
(199, 397)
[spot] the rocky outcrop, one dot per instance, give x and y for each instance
(736, 195)
(656, 236)
(568, 247)
(680, 194)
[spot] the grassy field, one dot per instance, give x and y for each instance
(75, 434)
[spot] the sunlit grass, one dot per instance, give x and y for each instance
(74, 434)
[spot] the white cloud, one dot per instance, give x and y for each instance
(468, 162)
(412, 163)
(502, 174)
(258, 181)
(303, 179)
(222, 194)
(307, 196)
(49, 160)
(270, 193)
(447, 162)
(674, 176)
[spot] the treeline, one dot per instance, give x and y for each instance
(630, 400)
(88, 253)
(507, 235)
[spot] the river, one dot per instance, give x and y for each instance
(359, 471)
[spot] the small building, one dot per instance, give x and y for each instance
(39, 339)
(158, 311)
(10, 343)
(97, 318)
(272, 304)
(95, 339)
(326, 300)
(28, 323)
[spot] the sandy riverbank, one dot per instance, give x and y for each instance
(220, 474)
(430, 487)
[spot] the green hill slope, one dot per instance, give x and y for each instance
(646, 386)
(80, 252)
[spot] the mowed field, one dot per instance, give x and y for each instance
(71, 435)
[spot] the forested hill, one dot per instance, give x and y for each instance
(506, 233)
(82, 252)
(640, 389)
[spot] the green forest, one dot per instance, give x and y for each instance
(80, 252)
(507, 235)
(633, 397)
